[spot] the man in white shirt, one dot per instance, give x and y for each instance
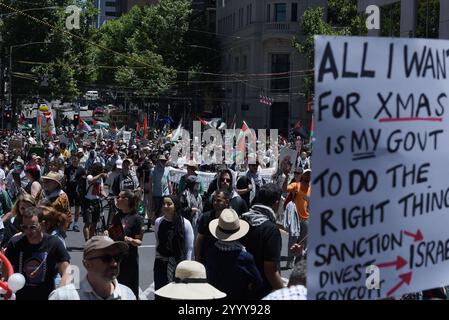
(101, 258)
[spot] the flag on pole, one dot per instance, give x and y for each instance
(145, 127)
(245, 132)
(177, 133)
(83, 126)
(38, 128)
(311, 132)
(203, 122)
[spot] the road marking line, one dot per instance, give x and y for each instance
(148, 246)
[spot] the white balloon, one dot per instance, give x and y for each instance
(16, 282)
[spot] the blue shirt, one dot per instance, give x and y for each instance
(160, 180)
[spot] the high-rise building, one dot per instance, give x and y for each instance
(109, 9)
(257, 53)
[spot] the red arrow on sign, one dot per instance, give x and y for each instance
(418, 236)
(399, 263)
(405, 278)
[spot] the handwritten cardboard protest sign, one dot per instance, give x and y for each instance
(288, 155)
(380, 190)
(126, 136)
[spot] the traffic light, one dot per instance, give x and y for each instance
(76, 120)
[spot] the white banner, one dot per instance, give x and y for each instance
(379, 222)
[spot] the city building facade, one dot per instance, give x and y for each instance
(264, 71)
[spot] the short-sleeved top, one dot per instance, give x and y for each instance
(74, 176)
(160, 179)
(203, 229)
(37, 263)
(264, 242)
(302, 196)
(93, 191)
(127, 225)
(122, 183)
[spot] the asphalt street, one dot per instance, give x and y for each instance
(75, 244)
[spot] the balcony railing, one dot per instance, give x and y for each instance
(277, 26)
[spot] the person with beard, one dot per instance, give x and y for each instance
(101, 258)
(205, 240)
(38, 257)
(225, 180)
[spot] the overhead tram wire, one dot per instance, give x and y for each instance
(128, 57)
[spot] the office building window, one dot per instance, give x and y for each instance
(241, 18)
(110, 3)
(268, 12)
(280, 63)
(220, 26)
(244, 62)
(280, 12)
(233, 22)
(236, 64)
(294, 12)
(250, 13)
(247, 15)
(110, 14)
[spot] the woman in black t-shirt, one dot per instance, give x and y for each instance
(128, 226)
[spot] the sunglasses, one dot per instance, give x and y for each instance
(108, 258)
(225, 180)
(32, 227)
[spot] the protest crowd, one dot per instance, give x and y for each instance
(217, 227)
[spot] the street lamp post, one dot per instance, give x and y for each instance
(10, 102)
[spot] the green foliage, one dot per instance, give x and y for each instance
(45, 57)
(428, 19)
(342, 19)
(148, 51)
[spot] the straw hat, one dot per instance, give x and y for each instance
(54, 176)
(190, 284)
(228, 227)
